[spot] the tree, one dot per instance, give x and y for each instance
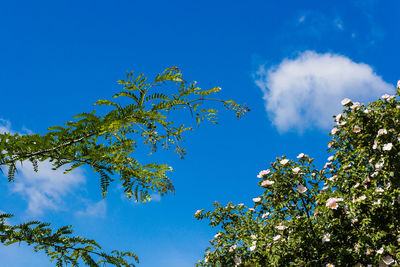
(345, 214)
(106, 144)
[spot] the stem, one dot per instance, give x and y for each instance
(37, 153)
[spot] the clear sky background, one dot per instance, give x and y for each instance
(291, 63)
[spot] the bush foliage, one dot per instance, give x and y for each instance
(344, 214)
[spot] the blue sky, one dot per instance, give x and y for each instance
(291, 63)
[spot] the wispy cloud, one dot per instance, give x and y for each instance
(5, 126)
(338, 23)
(45, 189)
(97, 209)
(317, 24)
(302, 18)
(305, 92)
(155, 197)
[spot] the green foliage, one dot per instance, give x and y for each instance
(345, 214)
(107, 144)
(59, 246)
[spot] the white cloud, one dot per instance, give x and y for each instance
(305, 92)
(45, 189)
(97, 209)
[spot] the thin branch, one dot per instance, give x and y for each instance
(37, 153)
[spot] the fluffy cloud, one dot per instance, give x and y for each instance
(305, 92)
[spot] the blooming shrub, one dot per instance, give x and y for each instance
(345, 214)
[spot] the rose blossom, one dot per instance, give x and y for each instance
(277, 237)
(355, 104)
(382, 131)
(388, 260)
(197, 212)
(284, 161)
(345, 101)
(379, 190)
(237, 261)
(326, 238)
(357, 129)
(387, 147)
(263, 173)
(296, 170)
(334, 131)
(333, 178)
(377, 202)
(369, 251)
(332, 202)
(379, 165)
(257, 199)
(360, 199)
(301, 189)
(375, 145)
(338, 117)
(301, 155)
(281, 227)
(265, 215)
(267, 183)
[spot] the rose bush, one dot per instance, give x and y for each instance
(345, 214)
